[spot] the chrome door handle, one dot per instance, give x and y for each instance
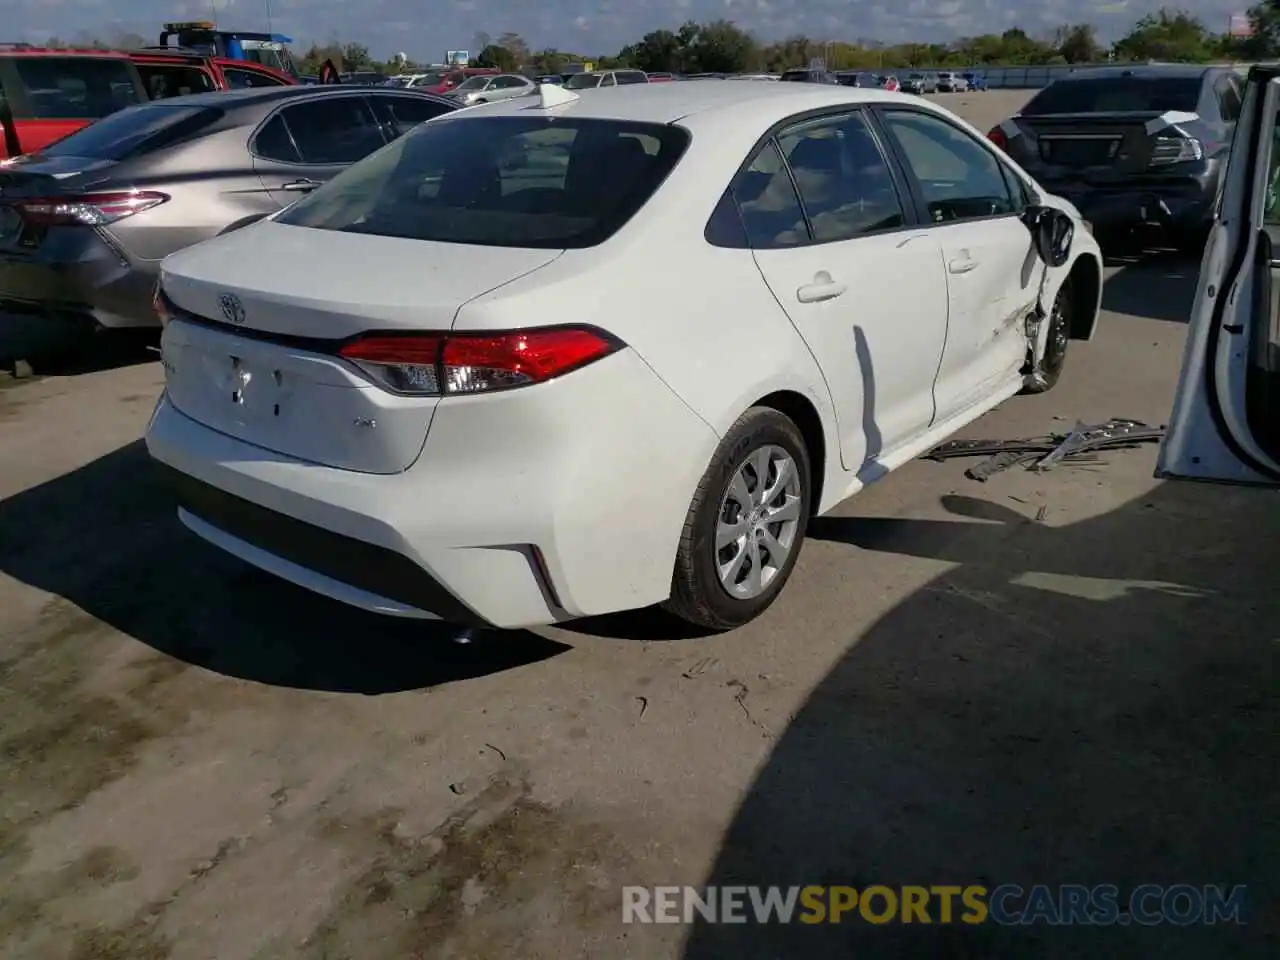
(300, 186)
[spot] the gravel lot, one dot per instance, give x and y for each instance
(1063, 677)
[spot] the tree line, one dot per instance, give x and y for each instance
(721, 46)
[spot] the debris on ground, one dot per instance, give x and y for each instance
(1076, 447)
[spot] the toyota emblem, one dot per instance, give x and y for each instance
(231, 307)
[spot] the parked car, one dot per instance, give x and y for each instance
(604, 78)
(1132, 148)
(363, 78)
(446, 81)
(919, 83)
(484, 89)
(49, 93)
(437, 434)
(1225, 423)
(661, 77)
(975, 81)
(172, 73)
(949, 82)
(85, 222)
(806, 75)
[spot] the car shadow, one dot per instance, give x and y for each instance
(54, 351)
(106, 538)
(1089, 704)
(1158, 285)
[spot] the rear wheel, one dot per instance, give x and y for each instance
(745, 525)
(1046, 371)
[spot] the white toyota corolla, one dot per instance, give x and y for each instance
(575, 354)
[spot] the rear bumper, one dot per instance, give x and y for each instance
(1168, 204)
(530, 507)
(78, 278)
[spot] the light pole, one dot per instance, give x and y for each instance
(268, 3)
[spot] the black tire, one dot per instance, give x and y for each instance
(1047, 371)
(697, 595)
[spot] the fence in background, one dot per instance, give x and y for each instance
(1033, 78)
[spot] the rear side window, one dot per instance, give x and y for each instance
(1116, 95)
(273, 142)
(165, 81)
(76, 88)
(507, 181)
(136, 131)
(334, 130)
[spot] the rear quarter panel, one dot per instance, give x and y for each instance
(211, 183)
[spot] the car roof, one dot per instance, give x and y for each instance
(669, 102)
(27, 50)
(255, 96)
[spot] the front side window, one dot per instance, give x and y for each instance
(508, 181)
(402, 114)
(76, 88)
(843, 178)
(582, 81)
(959, 178)
(164, 81)
(240, 79)
(474, 83)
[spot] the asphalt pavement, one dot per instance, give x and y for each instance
(1066, 677)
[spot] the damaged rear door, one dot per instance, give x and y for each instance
(1225, 425)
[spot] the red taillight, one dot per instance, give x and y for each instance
(87, 209)
(997, 137)
(467, 363)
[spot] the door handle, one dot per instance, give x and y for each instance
(822, 288)
(300, 186)
(961, 265)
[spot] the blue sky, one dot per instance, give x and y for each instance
(426, 30)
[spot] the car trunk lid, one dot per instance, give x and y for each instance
(271, 305)
(1093, 148)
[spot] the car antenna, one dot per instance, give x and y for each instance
(552, 95)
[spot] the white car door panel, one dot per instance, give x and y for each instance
(991, 291)
(1225, 424)
(992, 271)
(865, 290)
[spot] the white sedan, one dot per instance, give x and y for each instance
(576, 354)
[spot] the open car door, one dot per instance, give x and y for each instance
(1225, 424)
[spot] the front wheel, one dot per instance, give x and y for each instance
(1045, 372)
(745, 526)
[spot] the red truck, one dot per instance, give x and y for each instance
(46, 94)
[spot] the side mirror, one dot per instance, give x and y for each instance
(1051, 231)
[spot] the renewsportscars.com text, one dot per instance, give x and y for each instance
(1007, 905)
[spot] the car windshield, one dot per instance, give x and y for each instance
(475, 83)
(583, 81)
(1116, 95)
(500, 181)
(133, 132)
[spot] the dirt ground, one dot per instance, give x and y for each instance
(1047, 678)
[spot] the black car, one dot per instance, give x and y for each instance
(805, 75)
(1132, 147)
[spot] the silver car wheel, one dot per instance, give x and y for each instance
(757, 524)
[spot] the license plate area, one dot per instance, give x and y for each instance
(1080, 150)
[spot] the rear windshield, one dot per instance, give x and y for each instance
(500, 181)
(1116, 95)
(133, 132)
(76, 88)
